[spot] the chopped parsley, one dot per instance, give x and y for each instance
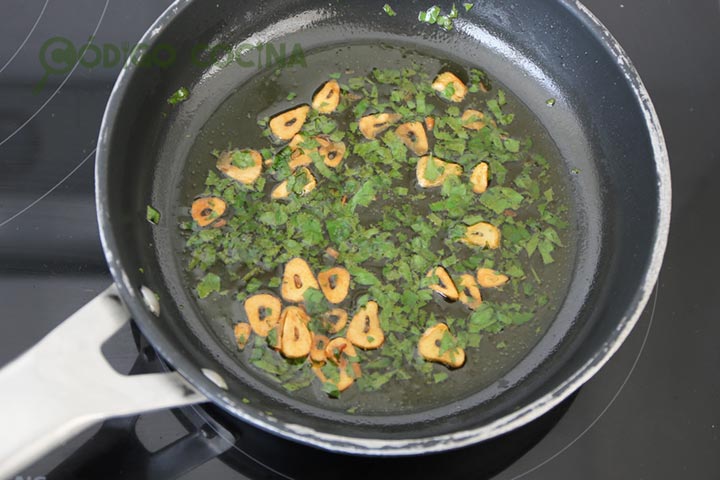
(209, 283)
(388, 9)
(370, 217)
(512, 145)
(242, 159)
(434, 16)
(499, 199)
(433, 171)
(180, 95)
(430, 15)
(152, 215)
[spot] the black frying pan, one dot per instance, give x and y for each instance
(603, 123)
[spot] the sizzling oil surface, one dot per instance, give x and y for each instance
(235, 124)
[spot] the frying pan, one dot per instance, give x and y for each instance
(603, 123)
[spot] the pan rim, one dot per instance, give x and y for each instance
(412, 446)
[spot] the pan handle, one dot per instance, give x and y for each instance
(64, 384)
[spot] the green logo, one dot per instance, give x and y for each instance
(59, 56)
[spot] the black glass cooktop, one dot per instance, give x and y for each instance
(653, 412)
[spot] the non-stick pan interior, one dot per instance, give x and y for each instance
(539, 50)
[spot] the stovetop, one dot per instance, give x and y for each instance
(651, 413)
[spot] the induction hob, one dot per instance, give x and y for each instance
(651, 413)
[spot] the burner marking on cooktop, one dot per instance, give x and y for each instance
(536, 467)
(41, 197)
(204, 416)
(62, 84)
(27, 37)
(612, 400)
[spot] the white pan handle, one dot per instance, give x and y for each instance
(64, 384)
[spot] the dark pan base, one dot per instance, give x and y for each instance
(113, 452)
(602, 123)
(255, 450)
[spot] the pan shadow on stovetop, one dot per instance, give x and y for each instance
(117, 452)
(291, 460)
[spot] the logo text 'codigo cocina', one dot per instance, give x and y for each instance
(60, 56)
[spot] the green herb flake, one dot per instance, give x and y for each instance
(433, 16)
(468, 6)
(315, 302)
(356, 83)
(512, 145)
(210, 283)
(272, 338)
(180, 95)
(152, 215)
(253, 285)
(521, 318)
(433, 170)
(242, 159)
(331, 389)
(363, 276)
(447, 343)
(445, 22)
(388, 9)
(365, 195)
(430, 15)
(499, 199)
(449, 91)
(546, 247)
(502, 100)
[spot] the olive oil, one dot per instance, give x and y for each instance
(235, 125)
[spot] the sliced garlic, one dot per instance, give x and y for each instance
(373, 125)
(413, 136)
(327, 98)
(297, 278)
(244, 175)
(206, 210)
(429, 347)
(479, 177)
(364, 330)
(472, 119)
(296, 340)
(489, 278)
(263, 312)
(442, 81)
(284, 126)
(242, 333)
(482, 235)
(334, 283)
(445, 169)
(470, 293)
(445, 286)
